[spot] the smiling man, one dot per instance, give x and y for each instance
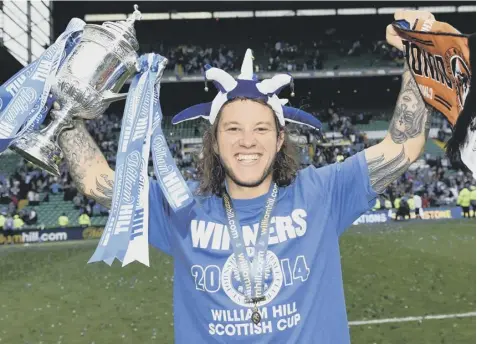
(256, 257)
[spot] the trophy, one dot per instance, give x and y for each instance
(86, 84)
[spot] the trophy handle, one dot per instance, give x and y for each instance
(111, 97)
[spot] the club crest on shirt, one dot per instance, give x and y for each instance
(233, 287)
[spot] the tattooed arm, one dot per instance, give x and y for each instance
(87, 166)
(404, 142)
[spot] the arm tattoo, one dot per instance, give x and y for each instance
(412, 117)
(408, 132)
(81, 153)
(382, 172)
(103, 193)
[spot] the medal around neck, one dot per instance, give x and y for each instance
(252, 273)
(256, 317)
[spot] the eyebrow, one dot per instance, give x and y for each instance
(266, 123)
(229, 123)
(237, 123)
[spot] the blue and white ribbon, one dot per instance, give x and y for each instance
(125, 235)
(173, 186)
(25, 98)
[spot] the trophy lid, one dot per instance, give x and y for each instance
(125, 29)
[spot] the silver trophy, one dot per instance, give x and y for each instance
(86, 84)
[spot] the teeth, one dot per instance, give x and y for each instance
(241, 157)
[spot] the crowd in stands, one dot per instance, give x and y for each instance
(191, 59)
(280, 56)
(431, 179)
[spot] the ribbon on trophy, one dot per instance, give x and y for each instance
(25, 98)
(125, 235)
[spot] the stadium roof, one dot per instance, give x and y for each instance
(64, 10)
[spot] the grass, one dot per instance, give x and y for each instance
(48, 294)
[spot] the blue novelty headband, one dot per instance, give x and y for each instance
(247, 86)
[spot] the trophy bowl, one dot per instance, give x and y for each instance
(86, 84)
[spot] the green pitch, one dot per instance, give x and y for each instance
(49, 295)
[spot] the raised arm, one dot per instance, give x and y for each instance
(406, 137)
(87, 166)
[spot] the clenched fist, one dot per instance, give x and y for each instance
(410, 16)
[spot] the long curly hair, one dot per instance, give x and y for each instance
(466, 119)
(212, 174)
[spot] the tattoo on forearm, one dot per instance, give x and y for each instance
(382, 172)
(80, 152)
(103, 194)
(412, 117)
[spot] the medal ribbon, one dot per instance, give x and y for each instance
(252, 274)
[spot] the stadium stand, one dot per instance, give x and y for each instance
(355, 111)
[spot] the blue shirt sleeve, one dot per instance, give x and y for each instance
(348, 188)
(160, 228)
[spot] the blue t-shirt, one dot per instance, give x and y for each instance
(303, 281)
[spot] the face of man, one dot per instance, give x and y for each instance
(247, 142)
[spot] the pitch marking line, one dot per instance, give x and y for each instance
(421, 318)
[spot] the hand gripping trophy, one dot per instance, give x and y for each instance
(86, 84)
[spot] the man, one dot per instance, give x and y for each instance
(84, 220)
(472, 199)
(403, 210)
(63, 220)
(397, 202)
(248, 169)
(32, 217)
(387, 203)
(377, 204)
(17, 222)
(55, 188)
(410, 202)
(2, 220)
(417, 206)
(464, 200)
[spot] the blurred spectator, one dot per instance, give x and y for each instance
(464, 200)
(78, 201)
(377, 204)
(8, 223)
(387, 203)
(63, 220)
(88, 209)
(55, 187)
(2, 220)
(32, 218)
(69, 191)
(410, 202)
(84, 220)
(418, 205)
(397, 202)
(17, 222)
(472, 199)
(403, 210)
(31, 196)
